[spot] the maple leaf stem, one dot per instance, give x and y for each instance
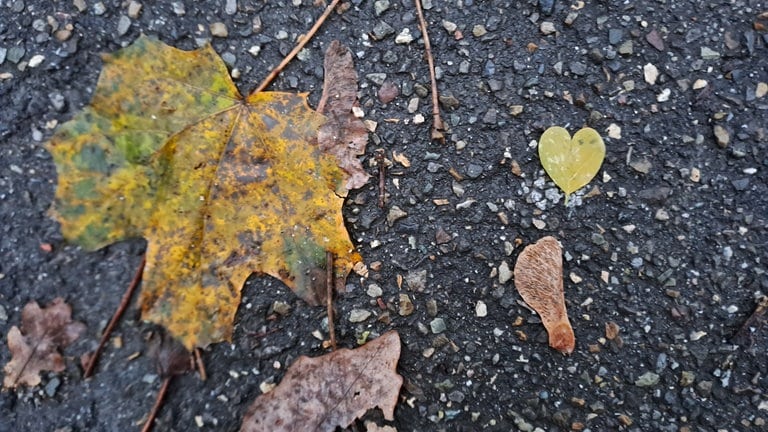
(329, 297)
(382, 177)
(200, 364)
(158, 403)
(438, 127)
(115, 318)
(302, 42)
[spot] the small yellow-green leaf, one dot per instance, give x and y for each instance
(571, 162)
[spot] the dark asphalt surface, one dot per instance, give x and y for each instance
(669, 241)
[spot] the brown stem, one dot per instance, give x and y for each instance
(115, 318)
(158, 403)
(382, 176)
(438, 127)
(200, 365)
(329, 297)
(303, 41)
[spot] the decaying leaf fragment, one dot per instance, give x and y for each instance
(539, 280)
(342, 135)
(319, 394)
(571, 162)
(220, 185)
(35, 347)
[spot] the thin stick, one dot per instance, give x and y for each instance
(158, 403)
(115, 318)
(200, 364)
(298, 48)
(382, 176)
(329, 297)
(438, 127)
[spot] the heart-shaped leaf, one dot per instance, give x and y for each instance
(571, 162)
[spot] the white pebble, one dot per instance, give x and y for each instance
(405, 37)
(614, 131)
(650, 73)
(664, 95)
(481, 309)
(36, 60)
(699, 84)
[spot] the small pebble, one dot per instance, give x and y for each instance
(664, 95)
(395, 213)
(219, 29)
(761, 90)
(505, 274)
(650, 73)
(359, 315)
(405, 305)
(36, 60)
(695, 175)
(437, 325)
(404, 38)
(626, 48)
(709, 54)
(380, 6)
(52, 386)
(614, 131)
(648, 379)
(661, 215)
(374, 290)
(547, 28)
(178, 8)
(99, 8)
(388, 92)
(615, 36)
(382, 30)
(655, 40)
(481, 310)
(230, 8)
(479, 30)
(123, 25)
(134, 9)
(687, 378)
(699, 84)
(722, 136)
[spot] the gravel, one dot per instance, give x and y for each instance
(667, 241)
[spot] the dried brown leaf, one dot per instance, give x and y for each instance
(35, 347)
(343, 135)
(169, 355)
(539, 280)
(319, 394)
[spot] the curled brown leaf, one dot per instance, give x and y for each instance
(35, 347)
(342, 135)
(539, 280)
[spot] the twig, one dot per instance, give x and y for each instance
(115, 318)
(382, 176)
(438, 127)
(329, 297)
(158, 403)
(200, 364)
(298, 48)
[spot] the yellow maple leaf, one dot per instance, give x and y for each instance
(220, 185)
